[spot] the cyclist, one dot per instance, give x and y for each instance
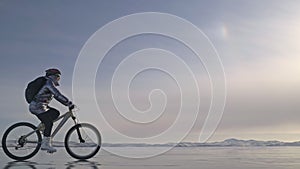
(39, 106)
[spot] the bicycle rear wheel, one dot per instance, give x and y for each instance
(21, 141)
(88, 146)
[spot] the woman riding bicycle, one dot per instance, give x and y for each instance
(39, 105)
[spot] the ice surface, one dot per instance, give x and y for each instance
(282, 157)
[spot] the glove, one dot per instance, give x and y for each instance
(71, 105)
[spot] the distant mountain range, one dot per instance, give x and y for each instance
(226, 143)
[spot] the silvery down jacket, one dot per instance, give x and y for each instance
(45, 95)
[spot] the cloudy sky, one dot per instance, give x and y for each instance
(257, 41)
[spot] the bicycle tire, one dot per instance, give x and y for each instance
(73, 131)
(12, 155)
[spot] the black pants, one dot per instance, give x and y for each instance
(47, 118)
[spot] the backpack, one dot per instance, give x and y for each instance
(33, 88)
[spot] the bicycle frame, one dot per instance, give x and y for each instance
(64, 118)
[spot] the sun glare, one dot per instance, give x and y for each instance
(224, 30)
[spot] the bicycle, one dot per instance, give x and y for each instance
(22, 140)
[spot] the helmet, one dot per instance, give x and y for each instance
(52, 71)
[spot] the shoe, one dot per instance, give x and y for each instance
(46, 145)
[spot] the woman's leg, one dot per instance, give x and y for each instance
(47, 118)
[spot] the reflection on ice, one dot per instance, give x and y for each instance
(20, 164)
(82, 164)
(33, 165)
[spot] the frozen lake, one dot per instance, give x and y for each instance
(177, 158)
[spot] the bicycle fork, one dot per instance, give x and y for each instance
(78, 131)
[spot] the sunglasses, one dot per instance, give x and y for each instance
(57, 75)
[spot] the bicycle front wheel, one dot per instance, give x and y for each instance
(83, 141)
(21, 141)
